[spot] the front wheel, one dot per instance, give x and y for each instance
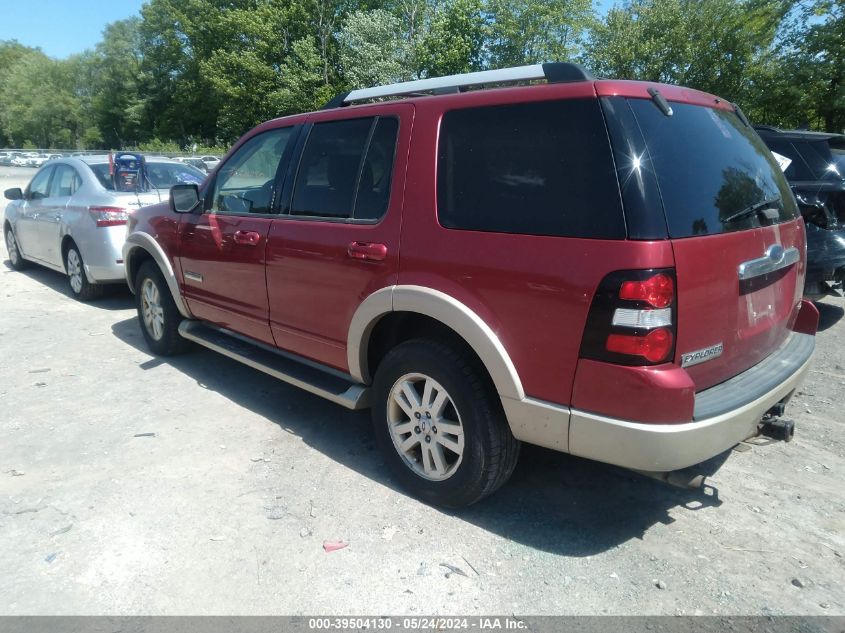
(157, 312)
(81, 288)
(440, 425)
(15, 258)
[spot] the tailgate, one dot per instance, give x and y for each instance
(737, 236)
(748, 317)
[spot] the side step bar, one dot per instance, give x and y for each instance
(300, 373)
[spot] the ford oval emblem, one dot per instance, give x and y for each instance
(775, 253)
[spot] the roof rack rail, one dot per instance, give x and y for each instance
(557, 72)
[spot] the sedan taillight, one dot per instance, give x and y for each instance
(109, 216)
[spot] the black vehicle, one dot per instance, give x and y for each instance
(814, 165)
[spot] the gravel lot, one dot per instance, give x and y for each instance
(136, 485)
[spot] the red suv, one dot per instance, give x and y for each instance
(607, 268)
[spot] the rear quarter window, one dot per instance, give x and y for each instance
(542, 168)
(711, 167)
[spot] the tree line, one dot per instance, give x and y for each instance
(202, 72)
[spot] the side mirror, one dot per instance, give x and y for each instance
(184, 197)
(14, 193)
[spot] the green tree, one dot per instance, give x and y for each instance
(535, 31)
(713, 46)
(117, 103)
(454, 40)
(373, 49)
(39, 103)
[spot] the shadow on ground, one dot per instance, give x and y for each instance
(554, 502)
(116, 296)
(829, 315)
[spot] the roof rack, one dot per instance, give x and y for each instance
(557, 72)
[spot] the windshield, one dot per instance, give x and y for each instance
(159, 175)
(714, 172)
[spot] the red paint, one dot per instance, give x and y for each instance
(314, 285)
(807, 319)
(233, 290)
(712, 308)
(662, 394)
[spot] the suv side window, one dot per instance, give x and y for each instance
(246, 182)
(542, 168)
(38, 188)
(345, 169)
(65, 182)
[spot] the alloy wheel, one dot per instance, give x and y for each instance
(425, 426)
(74, 270)
(12, 247)
(152, 310)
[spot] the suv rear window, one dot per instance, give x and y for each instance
(711, 168)
(542, 168)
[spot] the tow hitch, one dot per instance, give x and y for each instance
(774, 426)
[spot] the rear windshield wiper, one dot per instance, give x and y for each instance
(757, 207)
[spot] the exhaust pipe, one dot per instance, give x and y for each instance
(677, 478)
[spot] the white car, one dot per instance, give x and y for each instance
(37, 160)
(210, 162)
(20, 161)
(70, 217)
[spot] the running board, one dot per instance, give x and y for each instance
(300, 373)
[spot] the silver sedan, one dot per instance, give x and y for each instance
(70, 217)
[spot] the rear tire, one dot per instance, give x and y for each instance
(15, 258)
(80, 287)
(440, 424)
(157, 313)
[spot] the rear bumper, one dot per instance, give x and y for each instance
(723, 418)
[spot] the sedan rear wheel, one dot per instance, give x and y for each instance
(81, 288)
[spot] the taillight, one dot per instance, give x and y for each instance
(657, 291)
(632, 319)
(109, 216)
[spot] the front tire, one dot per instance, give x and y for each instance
(440, 424)
(80, 287)
(15, 258)
(157, 312)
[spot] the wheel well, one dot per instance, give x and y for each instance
(137, 256)
(397, 327)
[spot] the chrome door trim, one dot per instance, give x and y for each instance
(776, 258)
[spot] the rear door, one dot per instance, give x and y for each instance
(339, 240)
(737, 237)
(222, 249)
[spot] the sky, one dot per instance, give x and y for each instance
(61, 27)
(64, 27)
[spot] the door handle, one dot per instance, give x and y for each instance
(247, 238)
(367, 250)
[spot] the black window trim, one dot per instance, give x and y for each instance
(288, 215)
(278, 180)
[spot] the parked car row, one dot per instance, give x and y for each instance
(607, 268)
(37, 159)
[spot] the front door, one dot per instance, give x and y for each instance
(222, 249)
(26, 228)
(338, 242)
